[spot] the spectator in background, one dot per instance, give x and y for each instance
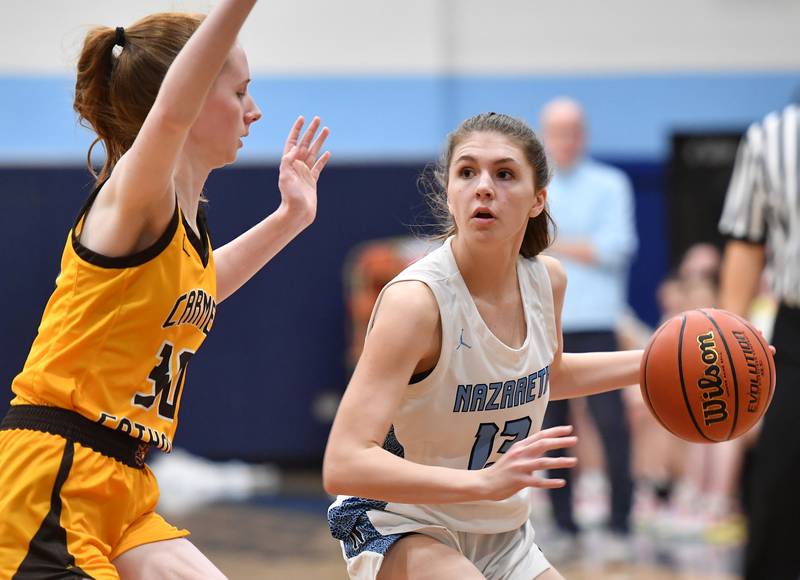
(592, 204)
(658, 457)
(761, 217)
(686, 489)
(701, 261)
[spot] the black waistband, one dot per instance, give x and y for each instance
(74, 426)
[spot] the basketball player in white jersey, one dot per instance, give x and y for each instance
(462, 355)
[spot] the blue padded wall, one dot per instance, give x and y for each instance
(280, 341)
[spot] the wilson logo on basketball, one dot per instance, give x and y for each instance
(715, 409)
(715, 394)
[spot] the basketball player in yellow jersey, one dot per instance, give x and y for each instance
(136, 296)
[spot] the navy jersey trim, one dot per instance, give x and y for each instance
(419, 377)
(200, 244)
(136, 259)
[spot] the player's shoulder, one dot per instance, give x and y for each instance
(556, 272)
(412, 293)
(409, 302)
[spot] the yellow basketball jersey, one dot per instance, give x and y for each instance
(117, 334)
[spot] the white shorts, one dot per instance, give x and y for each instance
(366, 533)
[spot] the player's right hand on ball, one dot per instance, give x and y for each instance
(515, 469)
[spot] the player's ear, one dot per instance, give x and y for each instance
(449, 203)
(540, 199)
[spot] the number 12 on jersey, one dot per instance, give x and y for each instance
(515, 430)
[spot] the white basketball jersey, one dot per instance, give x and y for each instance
(481, 397)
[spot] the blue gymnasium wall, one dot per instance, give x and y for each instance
(280, 341)
(401, 118)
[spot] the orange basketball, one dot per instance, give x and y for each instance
(707, 375)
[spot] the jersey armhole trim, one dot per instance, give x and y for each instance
(120, 262)
(202, 244)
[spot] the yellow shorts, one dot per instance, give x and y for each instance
(66, 511)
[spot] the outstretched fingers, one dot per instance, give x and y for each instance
(320, 165)
(294, 135)
(547, 439)
(545, 483)
(558, 431)
(290, 155)
(545, 464)
(539, 444)
(554, 463)
(542, 446)
(307, 148)
(305, 142)
(317, 146)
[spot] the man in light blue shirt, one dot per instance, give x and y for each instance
(592, 205)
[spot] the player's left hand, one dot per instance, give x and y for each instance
(300, 168)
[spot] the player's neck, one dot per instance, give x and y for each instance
(486, 272)
(190, 179)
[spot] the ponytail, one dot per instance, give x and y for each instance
(93, 95)
(119, 75)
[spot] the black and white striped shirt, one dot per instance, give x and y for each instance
(763, 202)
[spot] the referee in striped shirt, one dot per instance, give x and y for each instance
(761, 218)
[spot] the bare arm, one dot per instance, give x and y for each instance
(579, 374)
(740, 275)
(407, 330)
(237, 261)
(139, 198)
(355, 461)
(590, 373)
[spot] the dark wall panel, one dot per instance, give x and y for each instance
(279, 343)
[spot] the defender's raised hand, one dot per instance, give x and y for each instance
(301, 166)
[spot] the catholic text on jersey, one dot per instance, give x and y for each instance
(154, 437)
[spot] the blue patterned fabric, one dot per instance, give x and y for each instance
(349, 522)
(392, 445)
(350, 525)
